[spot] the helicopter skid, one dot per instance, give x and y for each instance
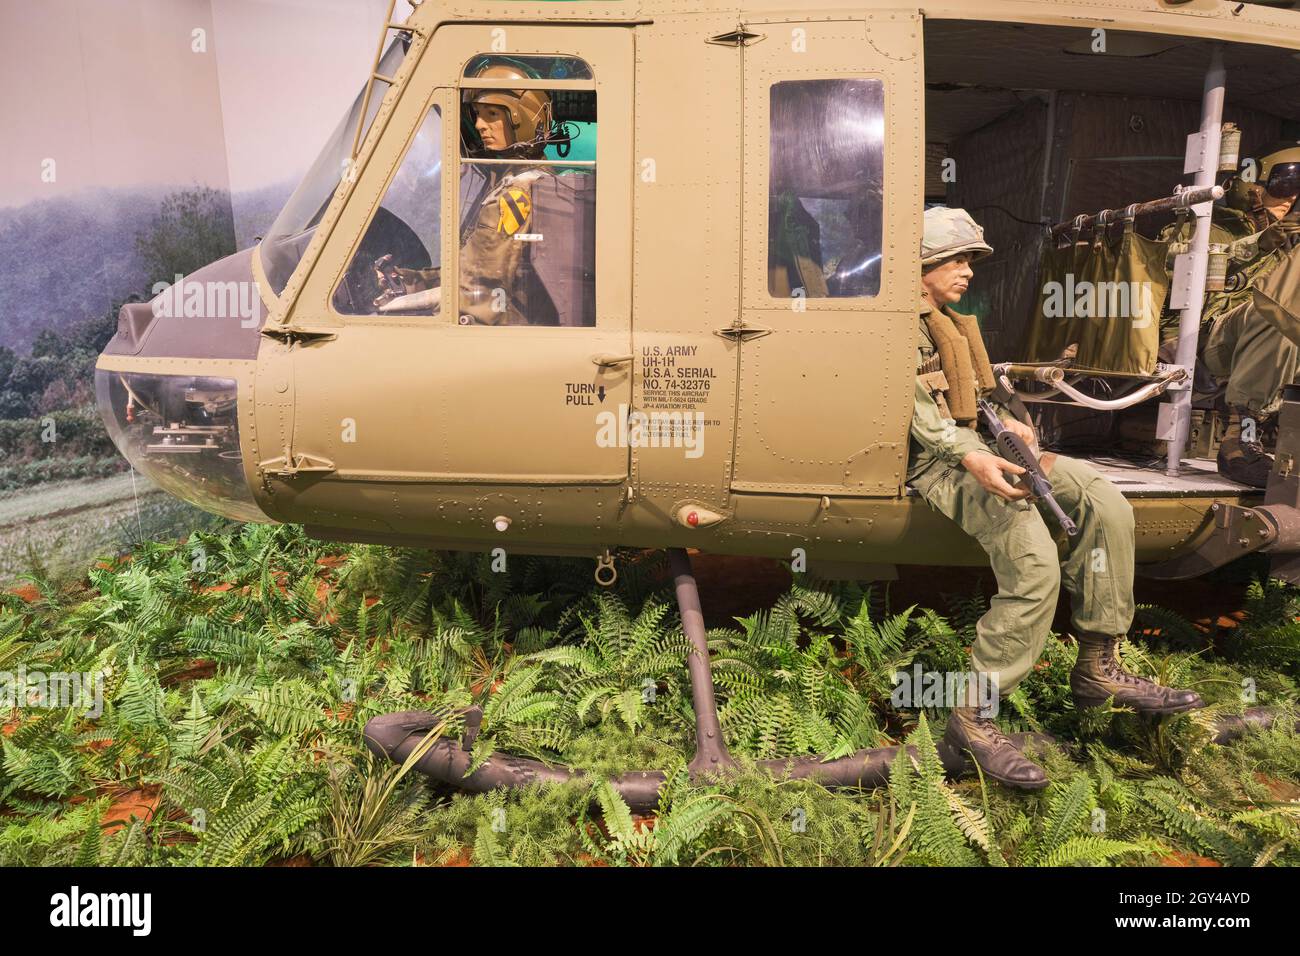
(396, 736)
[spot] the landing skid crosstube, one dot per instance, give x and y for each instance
(397, 736)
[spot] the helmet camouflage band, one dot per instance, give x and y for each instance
(951, 232)
(529, 110)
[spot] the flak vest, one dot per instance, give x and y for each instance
(959, 371)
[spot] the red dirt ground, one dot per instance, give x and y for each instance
(132, 804)
(1282, 790)
(1187, 859)
(198, 669)
(27, 592)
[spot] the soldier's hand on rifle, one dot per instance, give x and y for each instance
(988, 471)
(1023, 431)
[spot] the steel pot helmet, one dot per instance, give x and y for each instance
(950, 232)
(529, 110)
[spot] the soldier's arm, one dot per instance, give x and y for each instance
(1015, 425)
(416, 280)
(1010, 419)
(941, 437)
(957, 446)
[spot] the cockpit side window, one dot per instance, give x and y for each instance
(396, 268)
(825, 195)
(527, 188)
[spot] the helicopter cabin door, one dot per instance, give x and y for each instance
(477, 285)
(832, 205)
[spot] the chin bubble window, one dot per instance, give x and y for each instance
(527, 193)
(182, 432)
(396, 269)
(826, 163)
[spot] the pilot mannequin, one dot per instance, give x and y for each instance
(497, 284)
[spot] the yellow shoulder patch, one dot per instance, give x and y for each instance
(515, 207)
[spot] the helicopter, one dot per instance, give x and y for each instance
(717, 347)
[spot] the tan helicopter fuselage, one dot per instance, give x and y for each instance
(772, 422)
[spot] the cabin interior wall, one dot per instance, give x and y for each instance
(1106, 152)
(998, 179)
(1018, 154)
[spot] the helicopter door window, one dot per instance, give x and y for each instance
(825, 194)
(527, 195)
(396, 268)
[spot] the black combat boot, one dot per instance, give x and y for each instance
(992, 749)
(1240, 460)
(1097, 676)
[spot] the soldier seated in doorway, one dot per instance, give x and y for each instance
(956, 470)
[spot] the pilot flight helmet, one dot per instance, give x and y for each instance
(529, 110)
(950, 232)
(1277, 171)
(1279, 168)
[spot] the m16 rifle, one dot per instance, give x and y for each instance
(1013, 448)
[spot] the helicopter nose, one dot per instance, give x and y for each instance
(168, 385)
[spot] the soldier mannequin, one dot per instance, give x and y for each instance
(956, 472)
(1258, 221)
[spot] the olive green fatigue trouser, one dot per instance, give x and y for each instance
(1097, 568)
(1255, 358)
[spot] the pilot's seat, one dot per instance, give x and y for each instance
(563, 257)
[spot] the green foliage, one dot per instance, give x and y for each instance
(193, 228)
(237, 671)
(79, 441)
(374, 812)
(809, 675)
(1270, 637)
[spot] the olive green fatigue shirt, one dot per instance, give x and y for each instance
(492, 290)
(1229, 227)
(936, 440)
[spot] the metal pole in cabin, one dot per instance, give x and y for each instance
(1188, 287)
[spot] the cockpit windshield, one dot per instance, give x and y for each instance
(293, 229)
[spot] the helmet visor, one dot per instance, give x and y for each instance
(1284, 180)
